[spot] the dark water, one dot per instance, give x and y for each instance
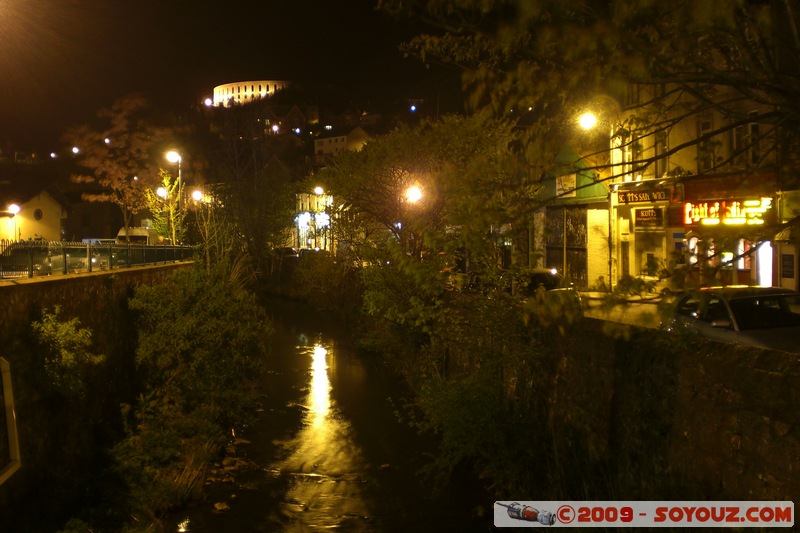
(328, 452)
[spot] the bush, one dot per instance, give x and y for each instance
(67, 353)
(201, 340)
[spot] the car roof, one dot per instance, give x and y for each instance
(747, 291)
(550, 271)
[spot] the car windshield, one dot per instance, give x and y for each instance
(761, 312)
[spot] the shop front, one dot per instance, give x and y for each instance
(573, 238)
(729, 232)
(649, 235)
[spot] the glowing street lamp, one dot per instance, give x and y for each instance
(414, 194)
(587, 120)
(174, 157)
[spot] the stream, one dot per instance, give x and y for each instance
(328, 451)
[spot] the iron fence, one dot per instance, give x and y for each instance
(26, 259)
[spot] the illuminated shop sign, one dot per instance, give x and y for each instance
(726, 212)
(649, 196)
(645, 219)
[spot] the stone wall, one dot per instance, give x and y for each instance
(84, 296)
(711, 422)
(63, 438)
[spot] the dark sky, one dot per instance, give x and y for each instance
(62, 60)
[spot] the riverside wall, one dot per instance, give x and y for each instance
(61, 439)
(677, 418)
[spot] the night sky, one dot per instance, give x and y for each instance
(62, 60)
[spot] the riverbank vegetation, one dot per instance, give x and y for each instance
(200, 344)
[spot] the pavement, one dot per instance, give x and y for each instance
(637, 310)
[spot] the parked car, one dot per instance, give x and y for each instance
(548, 286)
(284, 252)
(20, 258)
(762, 317)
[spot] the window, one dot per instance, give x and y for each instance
(633, 94)
(661, 148)
(705, 147)
(715, 310)
(745, 144)
(689, 307)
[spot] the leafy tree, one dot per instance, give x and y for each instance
(256, 174)
(118, 158)
(167, 215)
(540, 63)
(470, 179)
(654, 71)
(214, 229)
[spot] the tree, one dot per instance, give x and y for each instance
(167, 214)
(469, 177)
(256, 171)
(686, 89)
(547, 60)
(120, 156)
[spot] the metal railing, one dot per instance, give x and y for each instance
(27, 259)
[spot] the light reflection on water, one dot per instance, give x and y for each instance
(325, 463)
(320, 395)
(329, 453)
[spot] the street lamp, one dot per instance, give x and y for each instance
(174, 157)
(414, 194)
(587, 120)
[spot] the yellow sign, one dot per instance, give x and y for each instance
(726, 212)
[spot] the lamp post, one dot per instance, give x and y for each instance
(174, 157)
(412, 195)
(163, 193)
(588, 121)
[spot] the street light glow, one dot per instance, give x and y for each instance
(319, 191)
(162, 192)
(197, 195)
(413, 194)
(173, 156)
(13, 209)
(587, 120)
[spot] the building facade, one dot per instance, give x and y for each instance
(702, 199)
(243, 92)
